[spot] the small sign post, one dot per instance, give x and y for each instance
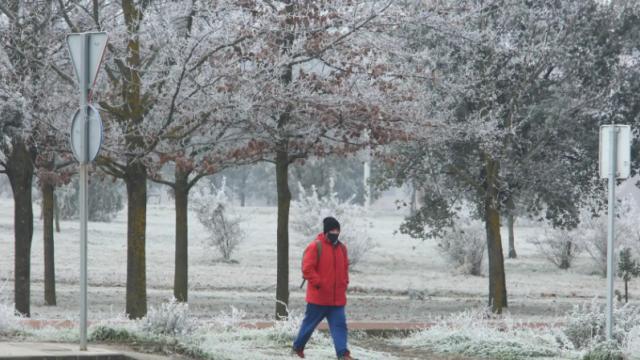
(86, 50)
(615, 163)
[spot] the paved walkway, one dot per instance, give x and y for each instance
(60, 351)
(30, 350)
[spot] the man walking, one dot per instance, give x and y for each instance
(325, 265)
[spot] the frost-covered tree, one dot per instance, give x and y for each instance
(315, 79)
(202, 114)
(160, 64)
(30, 104)
(517, 102)
(54, 170)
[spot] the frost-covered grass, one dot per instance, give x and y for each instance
(171, 329)
(470, 334)
(9, 320)
(536, 288)
(585, 324)
(580, 335)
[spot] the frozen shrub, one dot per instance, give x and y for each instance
(464, 247)
(358, 243)
(559, 246)
(218, 217)
(284, 331)
(9, 320)
(229, 320)
(604, 351)
(171, 318)
(309, 210)
(594, 233)
(111, 334)
(470, 334)
(632, 342)
(585, 324)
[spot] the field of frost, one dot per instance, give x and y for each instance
(401, 279)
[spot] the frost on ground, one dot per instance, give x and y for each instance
(580, 335)
(381, 286)
(170, 328)
(470, 333)
(9, 321)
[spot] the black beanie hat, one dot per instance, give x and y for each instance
(329, 224)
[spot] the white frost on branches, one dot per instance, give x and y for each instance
(218, 216)
(309, 210)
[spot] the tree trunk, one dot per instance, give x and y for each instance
(20, 170)
(512, 239)
(243, 188)
(49, 267)
(56, 211)
(626, 291)
(136, 182)
(284, 202)
(564, 263)
(181, 274)
(414, 196)
(497, 283)
(510, 225)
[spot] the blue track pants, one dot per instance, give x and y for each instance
(337, 326)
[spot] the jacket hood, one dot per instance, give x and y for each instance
(323, 237)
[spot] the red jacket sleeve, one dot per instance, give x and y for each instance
(310, 265)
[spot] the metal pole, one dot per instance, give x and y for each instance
(611, 233)
(84, 200)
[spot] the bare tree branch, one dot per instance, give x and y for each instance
(7, 12)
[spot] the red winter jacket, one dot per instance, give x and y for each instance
(328, 276)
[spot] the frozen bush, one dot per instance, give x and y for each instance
(9, 319)
(464, 247)
(594, 233)
(229, 320)
(309, 210)
(585, 324)
(171, 318)
(108, 333)
(595, 240)
(632, 342)
(284, 331)
(219, 218)
(470, 334)
(604, 351)
(559, 246)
